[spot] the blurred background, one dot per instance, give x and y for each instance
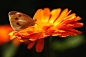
(59, 47)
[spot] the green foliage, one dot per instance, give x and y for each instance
(69, 42)
(8, 50)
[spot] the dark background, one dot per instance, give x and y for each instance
(27, 7)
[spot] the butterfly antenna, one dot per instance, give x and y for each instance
(37, 14)
(34, 11)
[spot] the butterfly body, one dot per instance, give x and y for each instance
(20, 20)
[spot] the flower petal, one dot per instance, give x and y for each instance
(46, 14)
(30, 32)
(40, 45)
(50, 32)
(61, 17)
(41, 35)
(55, 13)
(45, 28)
(16, 42)
(34, 36)
(30, 45)
(66, 33)
(75, 24)
(71, 19)
(78, 18)
(69, 33)
(38, 14)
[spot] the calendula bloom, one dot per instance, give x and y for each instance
(4, 33)
(55, 23)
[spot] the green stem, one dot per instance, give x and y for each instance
(47, 46)
(0, 52)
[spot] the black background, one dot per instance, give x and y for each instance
(27, 7)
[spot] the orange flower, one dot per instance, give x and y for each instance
(4, 33)
(55, 23)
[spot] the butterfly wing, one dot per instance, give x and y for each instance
(19, 20)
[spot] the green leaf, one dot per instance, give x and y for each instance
(69, 42)
(8, 50)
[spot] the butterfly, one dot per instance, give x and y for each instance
(20, 20)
